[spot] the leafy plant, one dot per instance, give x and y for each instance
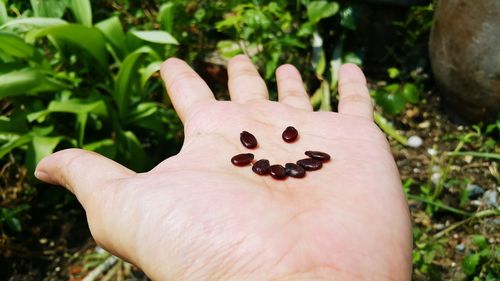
(82, 85)
(10, 217)
(481, 261)
(394, 96)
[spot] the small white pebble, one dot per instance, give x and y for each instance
(415, 141)
(453, 264)
(432, 152)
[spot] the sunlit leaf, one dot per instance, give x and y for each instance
(82, 11)
(317, 10)
(14, 143)
(89, 39)
(393, 72)
(166, 16)
(27, 24)
(40, 147)
(49, 8)
(105, 147)
(75, 106)
(112, 30)
(3, 13)
(27, 81)
(155, 36)
(148, 71)
(14, 45)
(127, 81)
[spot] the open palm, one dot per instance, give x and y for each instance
(198, 217)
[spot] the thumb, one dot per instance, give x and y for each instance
(81, 172)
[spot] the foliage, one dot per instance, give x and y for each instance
(394, 96)
(82, 85)
(10, 217)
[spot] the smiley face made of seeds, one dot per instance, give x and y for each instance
(263, 167)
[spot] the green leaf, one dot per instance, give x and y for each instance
(133, 151)
(14, 224)
(75, 106)
(480, 241)
(105, 147)
(390, 99)
(27, 81)
(393, 72)
(317, 10)
(347, 18)
(112, 30)
(166, 16)
(49, 8)
(141, 111)
(82, 11)
(127, 81)
(148, 71)
(40, 147)
(14, 45)
(14, 143)
(155, 36)
(470, 263)
(411, 93)
(31, 23)
(351, 57)
(3, 13)
(89, 39)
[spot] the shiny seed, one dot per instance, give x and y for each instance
(318, 155)
(242, 159)
(277, 171)
(290, 134)
(248, 140)
(294, 170)
(310, 164)
(261, 167)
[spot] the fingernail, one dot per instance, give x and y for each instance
(43, 176)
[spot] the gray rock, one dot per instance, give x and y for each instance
(460, 247)
(465, 58)
(474, 190)
(490, 198)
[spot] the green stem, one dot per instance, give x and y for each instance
(387, 127)
(474, 154)
(444, 174)
(478, 215)
(439, 205)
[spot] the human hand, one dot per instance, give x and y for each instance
(195, 216)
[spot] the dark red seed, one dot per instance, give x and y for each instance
(294, 170)
(318, 155)
(261, 167)
(290, 134)
(242, 159)
(248, 140)
(310, 164)
(277, 171)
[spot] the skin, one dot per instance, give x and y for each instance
(195, 216)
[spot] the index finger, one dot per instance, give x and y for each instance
(184, 87)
